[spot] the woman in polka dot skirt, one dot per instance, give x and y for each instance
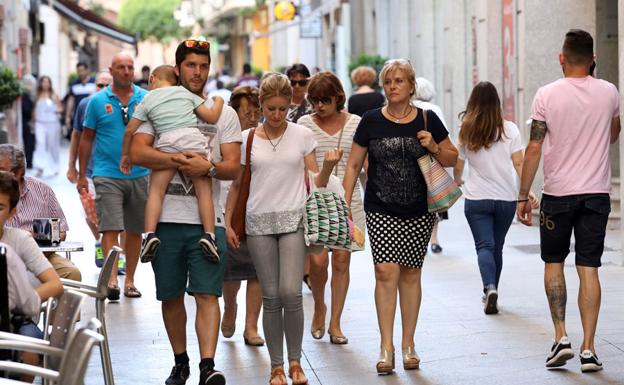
(395, 201)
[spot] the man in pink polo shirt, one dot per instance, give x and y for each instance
(574, 121)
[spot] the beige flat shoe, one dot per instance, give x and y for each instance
(338, 340)
(228, 329)
(411, 360)
(318, 332)
(253, 341)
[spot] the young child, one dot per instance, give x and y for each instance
(172, 110)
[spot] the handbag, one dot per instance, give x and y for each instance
(326, 221)
(237, 223)
(442, 191)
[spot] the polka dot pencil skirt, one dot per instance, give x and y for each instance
(397, 240)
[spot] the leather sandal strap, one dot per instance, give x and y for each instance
(294, 368)
(277, 372)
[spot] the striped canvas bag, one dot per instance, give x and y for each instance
(326, 219)
(442, 192)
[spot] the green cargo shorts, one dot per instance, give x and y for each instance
(180, 265)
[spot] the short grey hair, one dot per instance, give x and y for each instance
(15, 155)
(424, 90)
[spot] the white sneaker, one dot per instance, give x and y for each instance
(590, 362)
(560, 353)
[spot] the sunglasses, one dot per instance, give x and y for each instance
(314, 100)
(196, 44)
(124, 114)
(300, 83)
(101, 85)
(398, 61)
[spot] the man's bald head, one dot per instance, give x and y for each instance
(122, 56)
(122, 70)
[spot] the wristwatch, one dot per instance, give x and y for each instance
(212, 171)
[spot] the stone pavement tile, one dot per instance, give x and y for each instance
(457, 343)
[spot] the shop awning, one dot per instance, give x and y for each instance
(90, 20)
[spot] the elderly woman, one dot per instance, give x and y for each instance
(395, 202)
(280, 154)
(239, 266)
(365, 97)
(333, 128)
(299, 76)
(424, 94)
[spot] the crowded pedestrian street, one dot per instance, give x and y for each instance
(311, 192)
(457, 343)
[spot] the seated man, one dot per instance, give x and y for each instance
(42, 280)
(36, 200)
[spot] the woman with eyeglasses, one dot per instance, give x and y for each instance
(239, 266)
(333, 128)
(281, 154)
(47, 129)
(399, 224)
(365, 97)
(299, 76)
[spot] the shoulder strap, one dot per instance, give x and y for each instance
(250, 139)
(425, 118)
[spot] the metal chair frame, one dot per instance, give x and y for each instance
(74, 359)
(57, 335)
(100, 293)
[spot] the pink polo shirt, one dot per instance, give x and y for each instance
(578, 114)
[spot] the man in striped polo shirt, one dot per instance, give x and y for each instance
(37, 200)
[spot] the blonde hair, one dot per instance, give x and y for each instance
(275, 84)
(363, 76)
(402, 65)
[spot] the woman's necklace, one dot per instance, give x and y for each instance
(398, 119)
(270, 141)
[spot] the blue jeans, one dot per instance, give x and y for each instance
(489, 222)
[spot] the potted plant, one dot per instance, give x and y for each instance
(10, 90)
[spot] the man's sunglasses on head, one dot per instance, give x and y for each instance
(101, 85)
(300, 83)
(192, 43)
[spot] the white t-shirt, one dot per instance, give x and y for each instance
(491, 174)
(27, 249)
(23, 299)
(277, 191)
(180, 203)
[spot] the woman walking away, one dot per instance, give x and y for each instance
(333, 128)
(281, 152)
(493, 148)
(239, 266)
(395, 201)
(365, 97)
(47, 129)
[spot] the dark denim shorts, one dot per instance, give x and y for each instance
(586, 215)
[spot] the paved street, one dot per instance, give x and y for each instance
(457, 343)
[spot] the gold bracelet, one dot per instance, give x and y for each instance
(437, 152)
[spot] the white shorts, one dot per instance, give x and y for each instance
(188, 139)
